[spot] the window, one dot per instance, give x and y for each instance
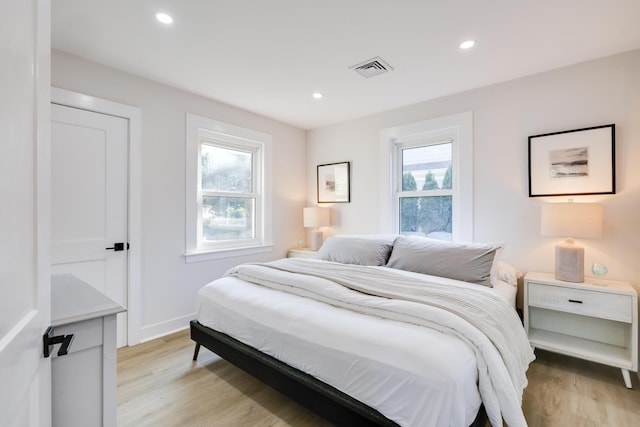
(228, 197)
(425, 195)
(430, 188)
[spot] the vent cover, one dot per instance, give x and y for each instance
(372, 67)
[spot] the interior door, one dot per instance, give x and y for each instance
(89, 184)
(25, 375)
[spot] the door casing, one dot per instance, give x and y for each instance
(99, 105)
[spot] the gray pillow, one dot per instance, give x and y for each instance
(469, 262)
(356, 250)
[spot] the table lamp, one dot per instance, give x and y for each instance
(571, 220)
(316, 217)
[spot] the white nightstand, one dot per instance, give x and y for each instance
(83, 382)
(585, 320)
(301, 253)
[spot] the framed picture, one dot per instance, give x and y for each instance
(333, 183)
(573, 162)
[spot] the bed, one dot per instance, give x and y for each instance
(364, 335)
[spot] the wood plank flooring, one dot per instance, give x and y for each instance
(160, 386)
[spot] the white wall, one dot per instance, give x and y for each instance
(594, 93)
(599, 92)
(169, 285)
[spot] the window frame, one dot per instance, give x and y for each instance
(400, 145)
(457, 128)
(201, 131)
(255, 194)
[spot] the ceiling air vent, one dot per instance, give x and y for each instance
(372, 67)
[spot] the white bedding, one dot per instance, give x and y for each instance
(412, 374)
(506, 291)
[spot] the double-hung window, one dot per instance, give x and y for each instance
(425, 188)
(229, 194)
(430, 190)
(228, 204)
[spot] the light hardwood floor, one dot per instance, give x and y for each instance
(159, 385)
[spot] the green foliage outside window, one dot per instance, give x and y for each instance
(426, 215)
(446, 181)
(409, 208)
(226, 218)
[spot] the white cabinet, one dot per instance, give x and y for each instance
(592, 321)
(301, 253)
(83, 382)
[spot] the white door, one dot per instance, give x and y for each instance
(25, 375)
(89, 185)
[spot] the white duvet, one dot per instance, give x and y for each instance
(414, 353)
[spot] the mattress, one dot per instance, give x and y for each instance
(411, 374)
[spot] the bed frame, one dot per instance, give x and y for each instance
(330, 403)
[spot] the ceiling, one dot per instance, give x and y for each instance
(268, 57)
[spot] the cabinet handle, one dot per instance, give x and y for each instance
(48, 341)
(576, 301)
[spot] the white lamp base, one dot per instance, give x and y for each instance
(317, 239)
(570, 262)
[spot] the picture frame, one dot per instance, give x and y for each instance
(573, 162)
(334, 183)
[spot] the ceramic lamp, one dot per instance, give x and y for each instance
(571, 220)
(315, 218)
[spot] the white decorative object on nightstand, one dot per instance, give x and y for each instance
(301, 253)
(585, 320)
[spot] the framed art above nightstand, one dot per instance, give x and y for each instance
(596, 322)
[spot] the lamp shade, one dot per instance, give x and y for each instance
(316, 217)
(572, 220)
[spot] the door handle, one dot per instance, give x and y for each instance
(48, 341)
(118, 247)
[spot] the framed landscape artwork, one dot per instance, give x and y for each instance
(573, 162)
(333, 183)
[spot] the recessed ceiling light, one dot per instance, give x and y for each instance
(317, 95)
(468, 44)
(164, 18)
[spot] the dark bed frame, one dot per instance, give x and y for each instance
(328, 402)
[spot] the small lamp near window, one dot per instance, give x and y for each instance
(316, 217)
(571, 220)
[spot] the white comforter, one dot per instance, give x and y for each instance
(476, 316)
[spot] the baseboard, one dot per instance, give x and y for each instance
(157, 330)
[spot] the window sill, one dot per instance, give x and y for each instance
(226, 253)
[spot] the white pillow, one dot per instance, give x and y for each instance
(508, 273)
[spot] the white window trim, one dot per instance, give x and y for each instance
(198, 127)
(456, 126)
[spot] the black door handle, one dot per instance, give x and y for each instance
(118, 247)
(48, 341)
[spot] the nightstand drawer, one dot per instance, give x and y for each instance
(585, 302)
(301, 253)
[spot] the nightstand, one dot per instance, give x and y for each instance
(83, 381)
(301, 253)
(597, 322)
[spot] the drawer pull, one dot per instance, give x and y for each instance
(575, 301)
(48, 341)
